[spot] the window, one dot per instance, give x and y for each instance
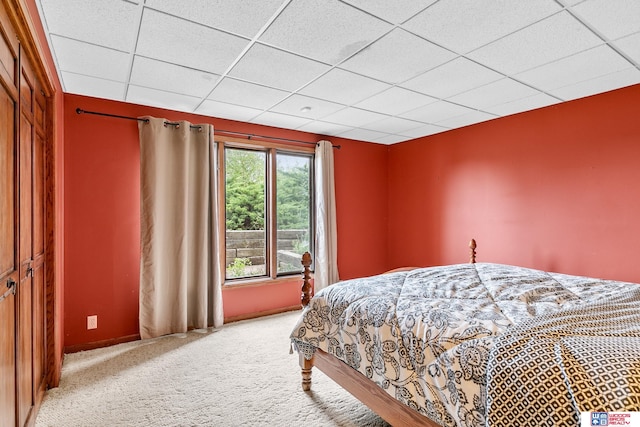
(267, 193)
(293, 210)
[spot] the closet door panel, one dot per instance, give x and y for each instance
(8, 50)
(38, 251)
(8, 219)
(39, 342)
(25, 291)
(7, 363)
(8, 264)
(31, 326)
(7, 186)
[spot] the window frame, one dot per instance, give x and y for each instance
(271, 259)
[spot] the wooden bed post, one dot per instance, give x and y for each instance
(472, 252)
(305, 366)
(305, 297)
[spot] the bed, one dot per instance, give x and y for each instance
(476, 344)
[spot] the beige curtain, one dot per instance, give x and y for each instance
(180, 286)
(326, 248)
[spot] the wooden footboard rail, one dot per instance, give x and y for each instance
(366, 391)
(391, 410)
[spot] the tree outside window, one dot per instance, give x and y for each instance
(259, 184)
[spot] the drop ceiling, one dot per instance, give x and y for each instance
(371, 70)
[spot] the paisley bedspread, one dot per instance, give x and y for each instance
(428, 337)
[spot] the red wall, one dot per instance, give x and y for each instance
(102, 218)
(555, 188)
(361, 208)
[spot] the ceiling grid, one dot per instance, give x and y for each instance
(371, 70)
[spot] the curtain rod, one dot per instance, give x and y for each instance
(81, 111)
(248, 135)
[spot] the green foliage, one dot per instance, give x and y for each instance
(293, 198)
(246, 188)
(237, 267)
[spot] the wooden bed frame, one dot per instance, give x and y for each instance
(395, 413)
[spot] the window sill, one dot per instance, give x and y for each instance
(262, 281)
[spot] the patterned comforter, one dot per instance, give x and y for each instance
(436, 339)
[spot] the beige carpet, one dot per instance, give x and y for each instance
(239, 375)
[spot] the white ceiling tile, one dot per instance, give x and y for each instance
(623, 78)
(396, 57)
(467, 119)
(343, 87)
(630, 46)
(523, 104)
(280, 120)
(424, 130)
(585, 65)
(181, 42)
(464, 25)
(353, 117)
(613, 19)
(452, 78)
(392, 125)
(227, 111)
(318, 108)
(110, 23)
(161, 99)
(495, 93)
(91, 60)
(323, 128)
(363, 134)
(244, 17)
(276, 68)
(248, 94)
(327, 31)
(172, 78)
(395, 12)
(91, 86)
(436, 112)
(391, 139)
(395, 100)
(546, 41)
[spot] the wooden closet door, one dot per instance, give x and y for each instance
(23, 232)
(31, 302)
(38, 275)
(9, 270)
(8, 264)
(25, 291)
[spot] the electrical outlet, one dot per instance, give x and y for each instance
(92, 322)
